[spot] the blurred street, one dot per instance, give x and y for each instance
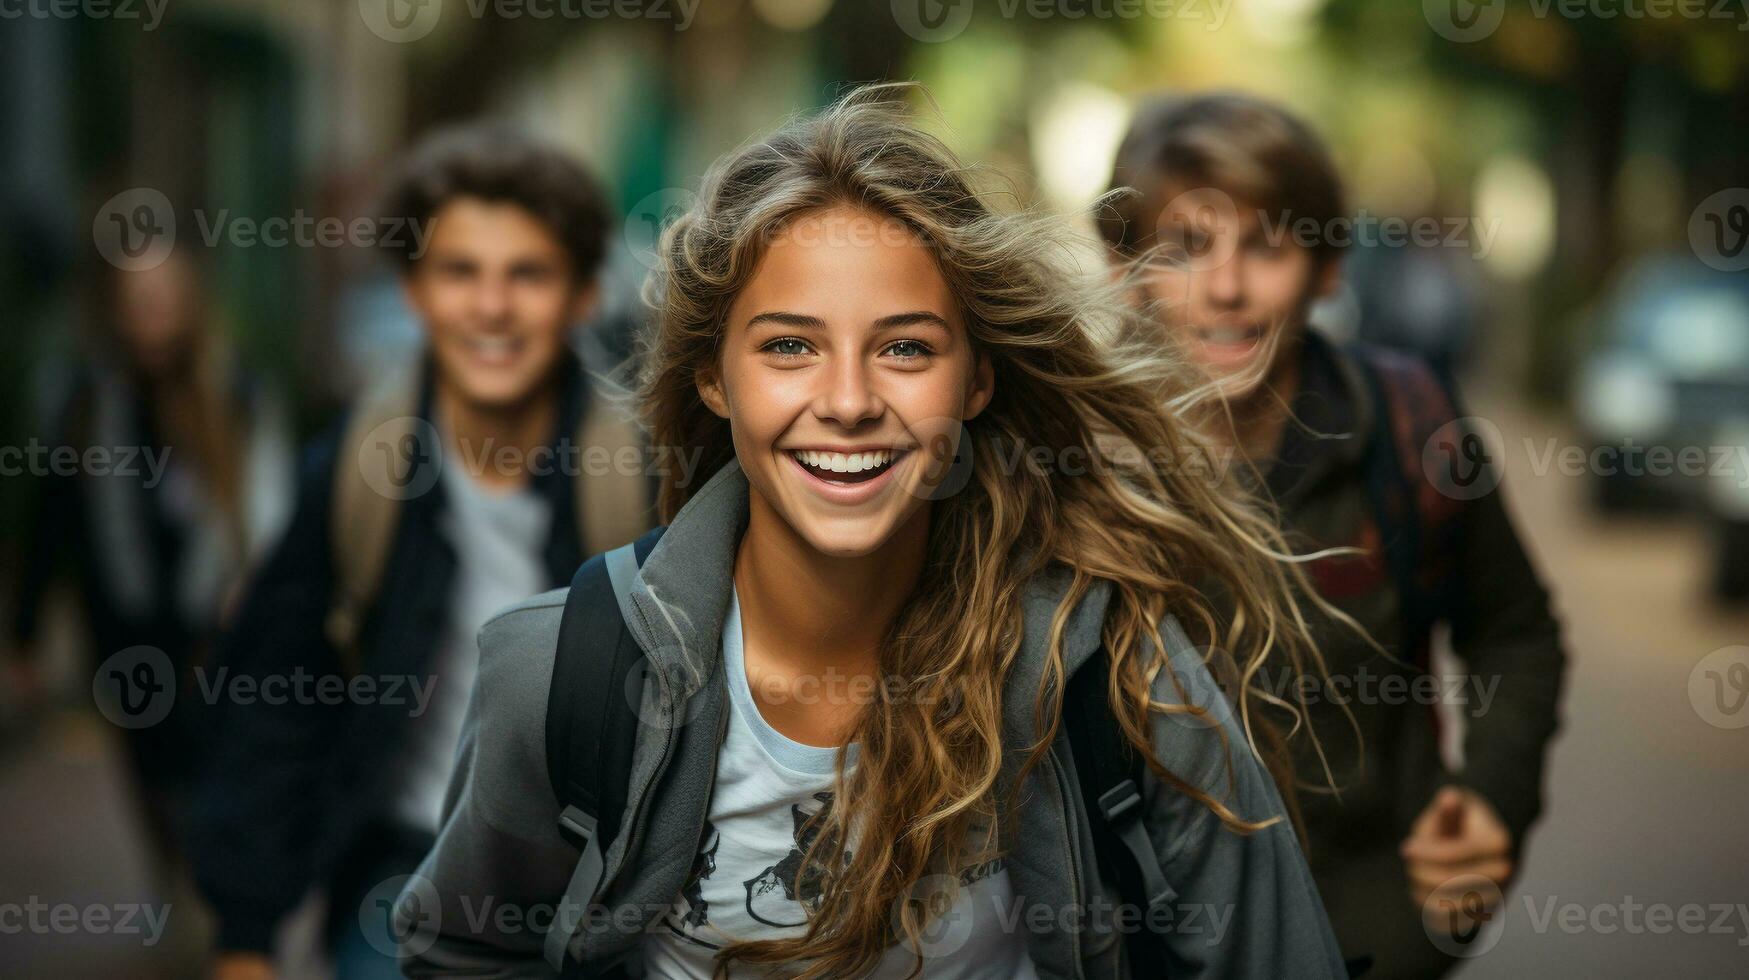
(1646, 800)
(239, 350)
(1646, 803)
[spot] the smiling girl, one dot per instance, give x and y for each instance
(935, 497)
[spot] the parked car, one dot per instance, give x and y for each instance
(1664, 401)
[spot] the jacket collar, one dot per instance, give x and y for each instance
(683, 590)
(564, 549)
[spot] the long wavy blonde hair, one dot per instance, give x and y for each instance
(1078, 370)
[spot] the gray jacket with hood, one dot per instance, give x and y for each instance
(481, 901)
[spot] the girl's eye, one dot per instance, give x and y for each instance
(787, 347)
(907, 349)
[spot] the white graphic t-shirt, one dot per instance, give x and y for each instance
(744, 882)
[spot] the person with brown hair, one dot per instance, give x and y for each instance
(944, 501)
(191, 456)
(1228, 217)
(462, 483)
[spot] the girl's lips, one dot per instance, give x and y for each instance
(848, 492)
(1227, 348)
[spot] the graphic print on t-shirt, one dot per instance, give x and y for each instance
(703, 866)
(748, 878)
(781, 895)
(786, 892)
(785, 888)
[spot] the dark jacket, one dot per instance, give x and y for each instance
(62, 532)
(112, 536)
(1501, 629)
(295, 793)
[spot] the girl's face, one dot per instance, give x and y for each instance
(158, 314)
(845, 373)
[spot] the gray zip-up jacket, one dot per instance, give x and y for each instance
(481, 902)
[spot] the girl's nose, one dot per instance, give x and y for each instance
(847, 395)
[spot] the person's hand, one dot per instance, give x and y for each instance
(242, 966)
(1459, 835)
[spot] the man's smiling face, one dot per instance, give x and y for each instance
(1235, 291)
(497, 296)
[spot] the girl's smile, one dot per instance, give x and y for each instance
(848, 476)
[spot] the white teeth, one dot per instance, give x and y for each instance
(1228, 335)
(493, 345)
(844, 462)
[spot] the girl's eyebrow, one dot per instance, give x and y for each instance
(787, 319)
(909, 318)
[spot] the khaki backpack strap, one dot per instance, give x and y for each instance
(369, 472)
(614, 507)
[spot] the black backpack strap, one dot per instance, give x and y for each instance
(592, 723)
(1110, 772)
(1416, 521)
(1391, 502)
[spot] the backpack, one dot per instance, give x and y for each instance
(373, 454)
(1418, 522)
(591, 727)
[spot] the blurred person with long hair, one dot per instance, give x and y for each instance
(1227, 214)
(190, 462)
(856, 742)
